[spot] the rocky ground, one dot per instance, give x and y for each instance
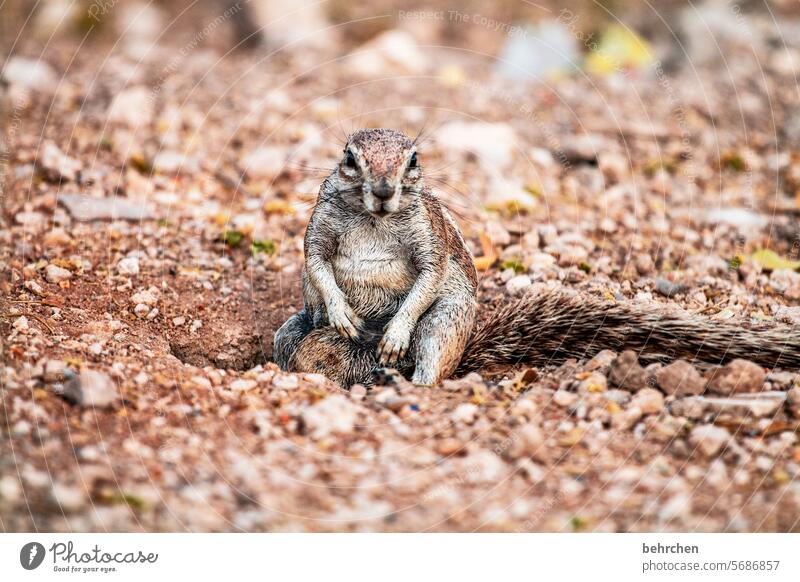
(153, 213)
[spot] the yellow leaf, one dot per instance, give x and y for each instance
(771, 261)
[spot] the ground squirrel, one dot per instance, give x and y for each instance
(389, 281)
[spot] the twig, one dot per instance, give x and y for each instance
(35, 316)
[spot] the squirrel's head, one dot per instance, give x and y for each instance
(379, 172)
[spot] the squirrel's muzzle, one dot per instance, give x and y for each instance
(383, 190)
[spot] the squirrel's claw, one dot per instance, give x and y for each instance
(394, 344)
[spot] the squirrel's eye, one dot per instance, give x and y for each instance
(350, 160)
(412, 163)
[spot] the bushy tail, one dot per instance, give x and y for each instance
(552, 327)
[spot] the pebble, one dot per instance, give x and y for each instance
(648, 400)
(528, 441)
(141, 310)
(334, 414)
(56, 165)
(465, 413)
(565, 399)
(91, 388)
(518, 284)
(54, 371)
(132, 107)
(21, 324)
(449, 446)
(491, 143)
(29, 73)
(680, 378)
(148, 297)
(243, 385)
(670, 288)
(56, 274)
(737, 376)
(88, 209)
(128, 266)
(626, 372)
(709, 439)
(626, 419)
(68, 498)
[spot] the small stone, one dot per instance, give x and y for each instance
(449, 446)
(128, 266)
(793, 400)
(680, 378)
(34, 287)
(529, 441)
(54, 371)
(627, 419)
(266, 162)
(179, 321)
(601, 361)
(465, 413)
(626, 372)
(69, 499)
(56, 274)
(285, 382)
(615, 166)
(669, 288)
(243, 385)
(91, 388)
(565, 399)
(737, 376)
(55, 165)
(29, 73)
(141, 310)
(709, 439)
(148, 297)
(132, 107)
(334, 414)
(518, 284)
(648, 400)
(21, 324)
(88, 209)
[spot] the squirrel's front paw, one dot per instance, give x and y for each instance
(342, 317)
(394, 344)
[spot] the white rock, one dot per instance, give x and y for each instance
(393, 51)
(265, 162)
(132, 107)
(30, 74)
(243, 385)
(518, 284)
(334, 414)
(147, 296)
(56, 164)
(21, 324)
(285, 382)
(91, 388)
(493, 144)
(141, 310)
(128, 266)
(465, 413)
(648, 400)
(709, 439)
(55, 274)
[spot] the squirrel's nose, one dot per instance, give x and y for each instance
(383, 190)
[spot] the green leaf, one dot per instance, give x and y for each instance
(232, 238)
(263, 246)
(512, 264)
(771, 261)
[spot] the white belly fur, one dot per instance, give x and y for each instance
(373, 270)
